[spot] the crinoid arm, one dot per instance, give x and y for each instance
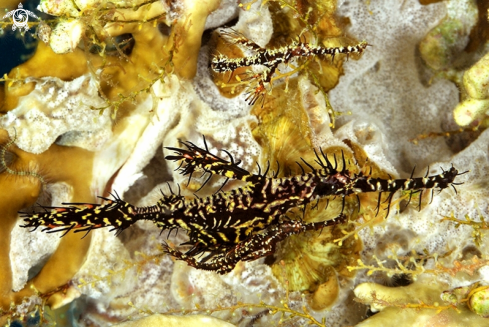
(255, 247)
(83, 217)
(198, 159)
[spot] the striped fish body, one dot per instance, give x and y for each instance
(231, 217)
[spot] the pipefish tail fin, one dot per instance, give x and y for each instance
(83, 217)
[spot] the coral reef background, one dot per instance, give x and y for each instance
(111, 83)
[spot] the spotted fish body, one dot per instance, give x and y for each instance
(231, 217)
(231, 225)
(271, 58)
(253, 248)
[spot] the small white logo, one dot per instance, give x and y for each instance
(20, 18)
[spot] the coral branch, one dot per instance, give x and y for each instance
(286, 313)
(478, 226)
(419, 305)
(416, 269)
